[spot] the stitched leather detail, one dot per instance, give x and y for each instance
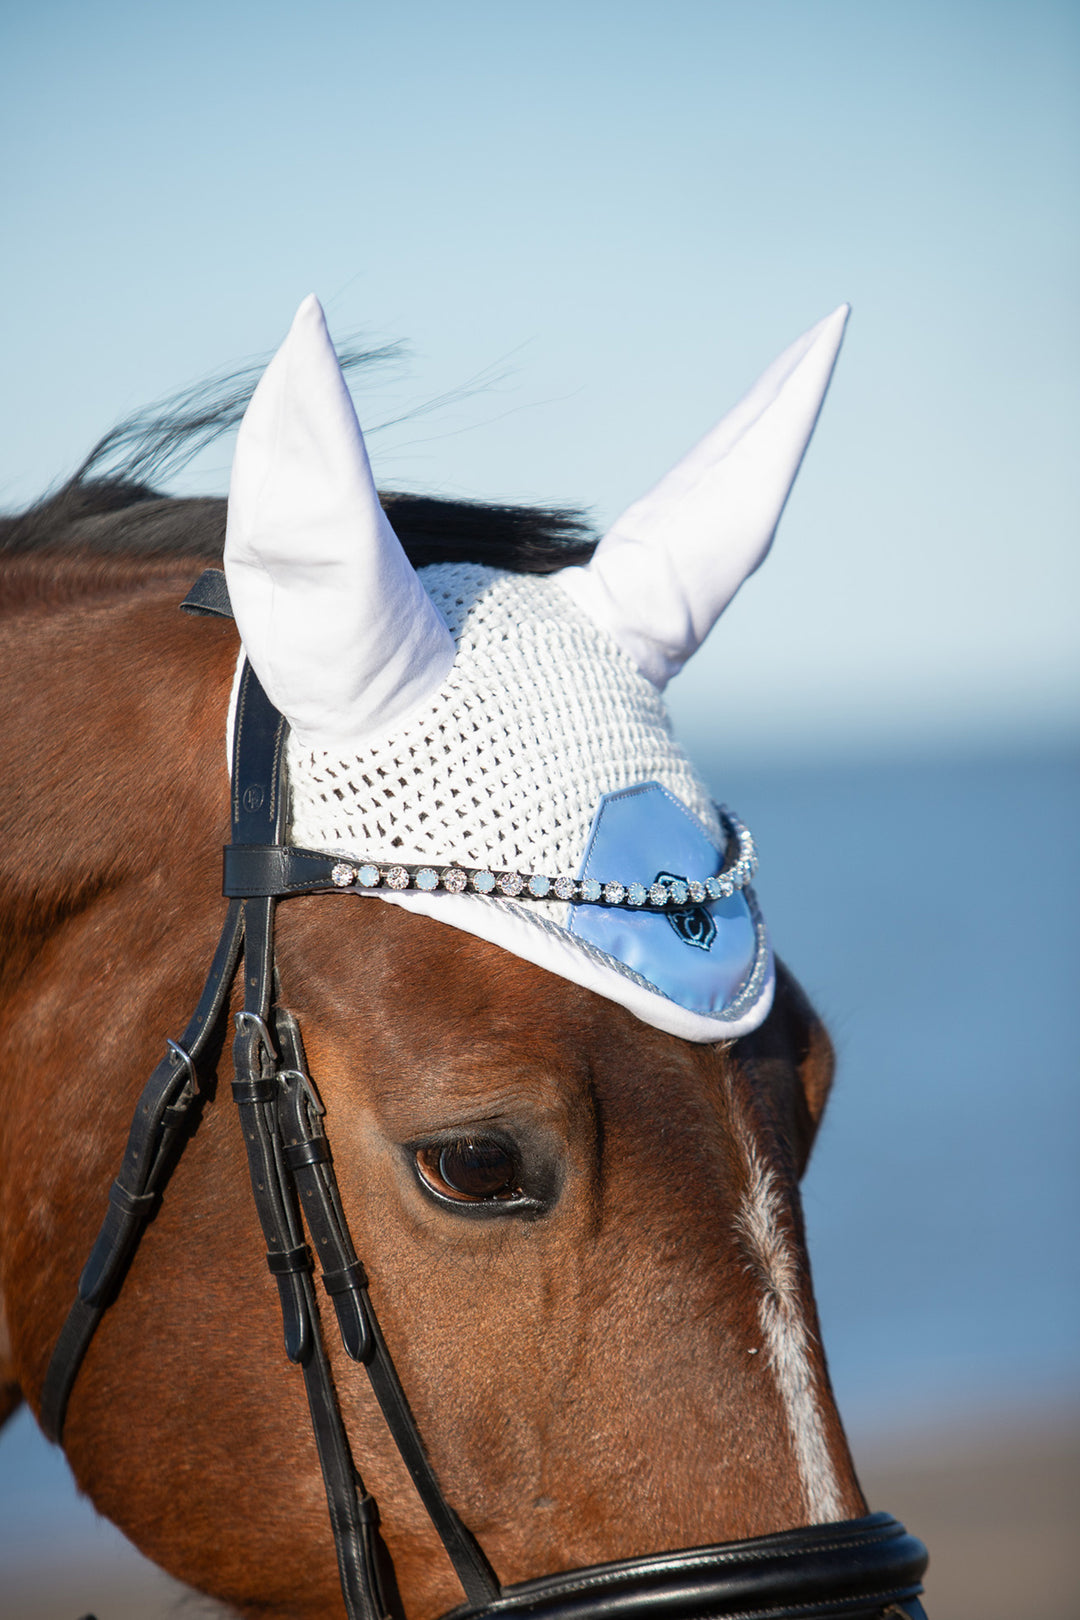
(250, 870)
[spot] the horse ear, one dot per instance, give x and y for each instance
(337, 626)
(663, 574)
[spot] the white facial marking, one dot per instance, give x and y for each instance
(761, 1227)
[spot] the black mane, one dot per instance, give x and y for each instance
(122, 519)
(110, 508)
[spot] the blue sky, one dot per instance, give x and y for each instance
(613, 216)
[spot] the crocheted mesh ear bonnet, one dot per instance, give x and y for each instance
(491, 748)
(504, 765)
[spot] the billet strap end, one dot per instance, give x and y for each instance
(209, 596)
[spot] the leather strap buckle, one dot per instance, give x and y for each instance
(249, 1024)
(307, 1085)
(183, 1061)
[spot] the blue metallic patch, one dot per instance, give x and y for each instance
(642, 834)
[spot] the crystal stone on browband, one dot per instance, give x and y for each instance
(490, 749)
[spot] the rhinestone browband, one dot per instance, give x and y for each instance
(666, 893)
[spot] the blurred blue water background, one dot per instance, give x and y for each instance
(929, 907)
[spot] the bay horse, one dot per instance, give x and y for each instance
(574, 1194)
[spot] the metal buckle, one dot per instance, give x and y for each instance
(307, 1086)
(183, 1060)
(246, 1022)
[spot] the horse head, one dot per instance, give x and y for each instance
(569, 1090)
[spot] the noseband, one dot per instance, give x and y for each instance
(863, 1569)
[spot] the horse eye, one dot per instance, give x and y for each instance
(470, 1169)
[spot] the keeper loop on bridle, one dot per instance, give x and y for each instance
(302, 1154)
(289, 1260)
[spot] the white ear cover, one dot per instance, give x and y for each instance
(338, 627)
(665, 571)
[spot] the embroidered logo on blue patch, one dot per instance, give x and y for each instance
(645, 834)
(693, 924)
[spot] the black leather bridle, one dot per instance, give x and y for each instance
(864, 1569)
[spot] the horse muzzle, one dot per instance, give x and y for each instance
(859, 1569)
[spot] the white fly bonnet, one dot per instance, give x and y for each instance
(489, 748)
